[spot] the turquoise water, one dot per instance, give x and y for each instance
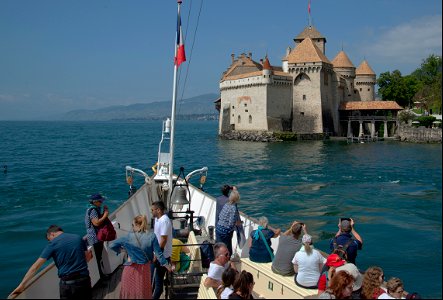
(392, 190)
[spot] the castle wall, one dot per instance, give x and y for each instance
(246, 99)
(279, 106)
(307, 107)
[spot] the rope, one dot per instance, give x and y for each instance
(190, 55)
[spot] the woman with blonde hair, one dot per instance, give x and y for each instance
(141, 247)
(228, 219)
(372, 280)
(308, 264)
(394, 288)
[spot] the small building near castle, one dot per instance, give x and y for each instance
(308, 94)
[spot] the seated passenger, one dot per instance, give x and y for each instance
(308, 263)
(226, 288)
(218, 266)
(394, 289)
(180, 261)
(372, 281)
(333, 261)
(288, 245)
(260, 242)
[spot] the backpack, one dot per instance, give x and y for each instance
(207, 253)
(340, 250)
(105, 232)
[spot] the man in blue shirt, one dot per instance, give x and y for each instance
(347, 237)
(70, 257)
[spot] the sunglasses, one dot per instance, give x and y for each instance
(225, 255)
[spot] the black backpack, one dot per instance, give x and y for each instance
(340, 250)
(207, 253)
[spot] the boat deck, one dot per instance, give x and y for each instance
(109, 288)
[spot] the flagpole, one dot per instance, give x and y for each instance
(174, 98)
(309, 12)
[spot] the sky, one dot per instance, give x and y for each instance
(57, 56)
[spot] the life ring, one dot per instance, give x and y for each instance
(154, 168)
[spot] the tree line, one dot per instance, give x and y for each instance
(422, 85)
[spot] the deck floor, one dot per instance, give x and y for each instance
(109, 288)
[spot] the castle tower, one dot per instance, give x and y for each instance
(365, 80)
(312, 85)
(314, 35)
(346, 70)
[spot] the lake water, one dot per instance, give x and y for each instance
(393, 190)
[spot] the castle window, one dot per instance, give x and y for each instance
(369, 90)
(246, 110)
(238, 120)
(302, 113)
(233, 107)
(250, 119)
(246, 104)
(360, 89)
(304, 97)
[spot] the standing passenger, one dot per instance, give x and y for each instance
(228, 220)
(163, 231)
(93, 219)
(141, 247)
(70, 256)
(222, 200)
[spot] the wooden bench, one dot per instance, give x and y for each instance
(204, 292)
(272, 286)
(195, 255)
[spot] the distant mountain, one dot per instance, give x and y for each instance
(193, 108)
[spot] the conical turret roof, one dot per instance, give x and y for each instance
(342, 61)
(266, 64)
(306, 51)
(364, 69)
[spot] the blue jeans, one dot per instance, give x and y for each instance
(157, 276)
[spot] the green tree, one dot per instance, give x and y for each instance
(429, 78)
(393, 86)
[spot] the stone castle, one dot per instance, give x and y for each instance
(303, 96)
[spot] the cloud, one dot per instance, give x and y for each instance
(407, 43)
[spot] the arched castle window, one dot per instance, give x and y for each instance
(300, 78)
(239, 120)
(250, 119)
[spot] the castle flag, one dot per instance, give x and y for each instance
(180, 50)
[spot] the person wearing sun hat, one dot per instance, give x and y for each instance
(93, 218)
(358, 278)
(333, 261)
